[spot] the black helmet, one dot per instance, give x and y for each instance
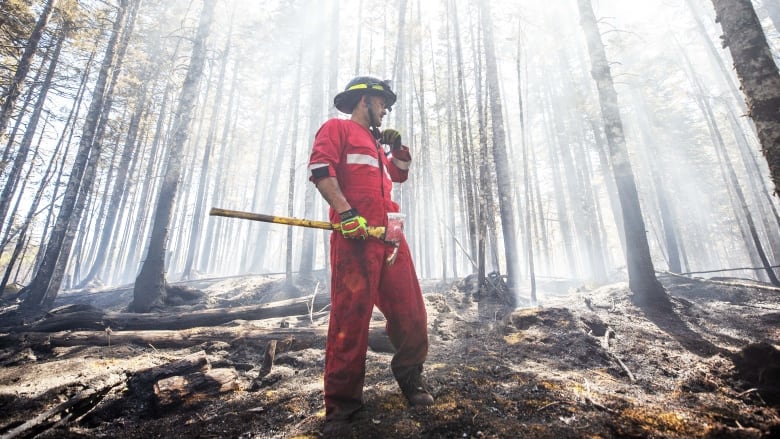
(357, 87)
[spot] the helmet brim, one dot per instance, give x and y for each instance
(348, 99)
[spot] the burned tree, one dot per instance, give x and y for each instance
(641, 274)
(150, 285)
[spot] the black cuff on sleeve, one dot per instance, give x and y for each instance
(347, 214)
(318, 173)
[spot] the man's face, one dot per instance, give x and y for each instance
(377, 105)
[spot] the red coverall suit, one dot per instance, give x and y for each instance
(360, 277)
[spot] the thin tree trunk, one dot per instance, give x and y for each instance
(150, 285)
(641, 274)
(465, 155)
(120, 183)
(15, 86)
(90, 173)
(139, 228)
(32, 125)
(41, 283)
(317, 75)
(213, 240)
(651, 155)
(201, 197)
(20, 120)
(529, 236)
(293, 142)
(503, 174)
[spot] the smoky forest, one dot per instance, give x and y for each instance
(591, 208)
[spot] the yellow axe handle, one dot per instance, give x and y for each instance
(376, 232)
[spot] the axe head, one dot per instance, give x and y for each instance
(395, 227)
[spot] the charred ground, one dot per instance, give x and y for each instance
(585, 364)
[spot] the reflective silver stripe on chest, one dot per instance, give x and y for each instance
(362, 159)
(365, 159)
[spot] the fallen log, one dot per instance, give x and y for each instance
(145, 379)
(291, 338)
(303, 337)
(95, 319)
(75, 407)
(189, 389)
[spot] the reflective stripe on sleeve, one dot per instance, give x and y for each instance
(314, 166)
(402, 165)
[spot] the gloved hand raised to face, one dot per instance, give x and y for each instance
(353, 226)
(391, 137)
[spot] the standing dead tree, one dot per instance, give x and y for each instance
(641, 274)
(150, 285)
(40, 288)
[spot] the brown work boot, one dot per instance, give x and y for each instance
(337, 428)
(414, 389)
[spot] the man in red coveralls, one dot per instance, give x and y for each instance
(355, 175)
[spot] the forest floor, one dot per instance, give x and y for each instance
(586, 363)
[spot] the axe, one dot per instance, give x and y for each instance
(377, 232)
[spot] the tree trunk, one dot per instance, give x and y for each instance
(151, 283)
(503, 174)
(139, 226)
(730, 175)
(89, 176)
(293, 142)
(41, 283)
(757, 72)
(15, 87)
(214, 240)
(529, 236)
(465, 155)
(32, 125)
(311, 199)
(120, 182)
(651, 155)
(641, 274)
(202, 196)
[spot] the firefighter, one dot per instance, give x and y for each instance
(355, 175)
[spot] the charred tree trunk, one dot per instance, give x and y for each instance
(120, 181)
(32, 125)
(652, 155)
(529, 235)
(757, 72)
(202, 196)
(208, 258)
(465, 165)
(288, 266)
(146, 189)
(150, 285)
(503, 175)
(40, 286)
(15, 87)
(89, 176)
(641, 274)
(317, 75)
(730, 175)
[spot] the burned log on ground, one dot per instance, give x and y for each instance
(79, 318)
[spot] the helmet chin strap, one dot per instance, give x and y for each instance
(372, 123)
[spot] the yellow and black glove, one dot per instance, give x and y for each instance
(353, 226)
